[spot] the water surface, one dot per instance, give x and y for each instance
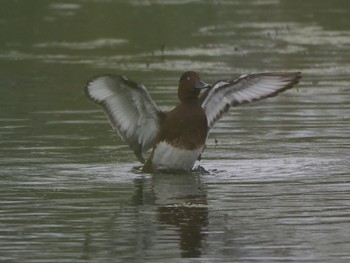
(277, 187)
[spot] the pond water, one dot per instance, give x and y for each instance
(277, 187)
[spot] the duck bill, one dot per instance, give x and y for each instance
(201, 85)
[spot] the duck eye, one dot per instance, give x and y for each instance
(188, 78)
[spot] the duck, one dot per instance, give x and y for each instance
(177, 138)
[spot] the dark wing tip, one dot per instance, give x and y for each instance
(138, 153)
(292, 77)
(96, 77)
(86, 88)
(91, 80)
(287, 79)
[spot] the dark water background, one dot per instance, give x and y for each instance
(278, 188)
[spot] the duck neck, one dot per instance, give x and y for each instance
(189, 100)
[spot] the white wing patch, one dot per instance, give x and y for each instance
(245, 89)
(129, 108)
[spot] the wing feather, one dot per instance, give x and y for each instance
(245, 89)
(129, 108)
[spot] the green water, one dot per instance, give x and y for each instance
(278, 187)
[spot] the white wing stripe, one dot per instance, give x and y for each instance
(130, 110)
(247, 88)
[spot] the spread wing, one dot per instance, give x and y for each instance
(129, 108)
(245, 89)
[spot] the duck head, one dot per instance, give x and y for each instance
(190, 86)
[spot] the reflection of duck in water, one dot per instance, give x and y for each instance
(178, 137)
(181, 202)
